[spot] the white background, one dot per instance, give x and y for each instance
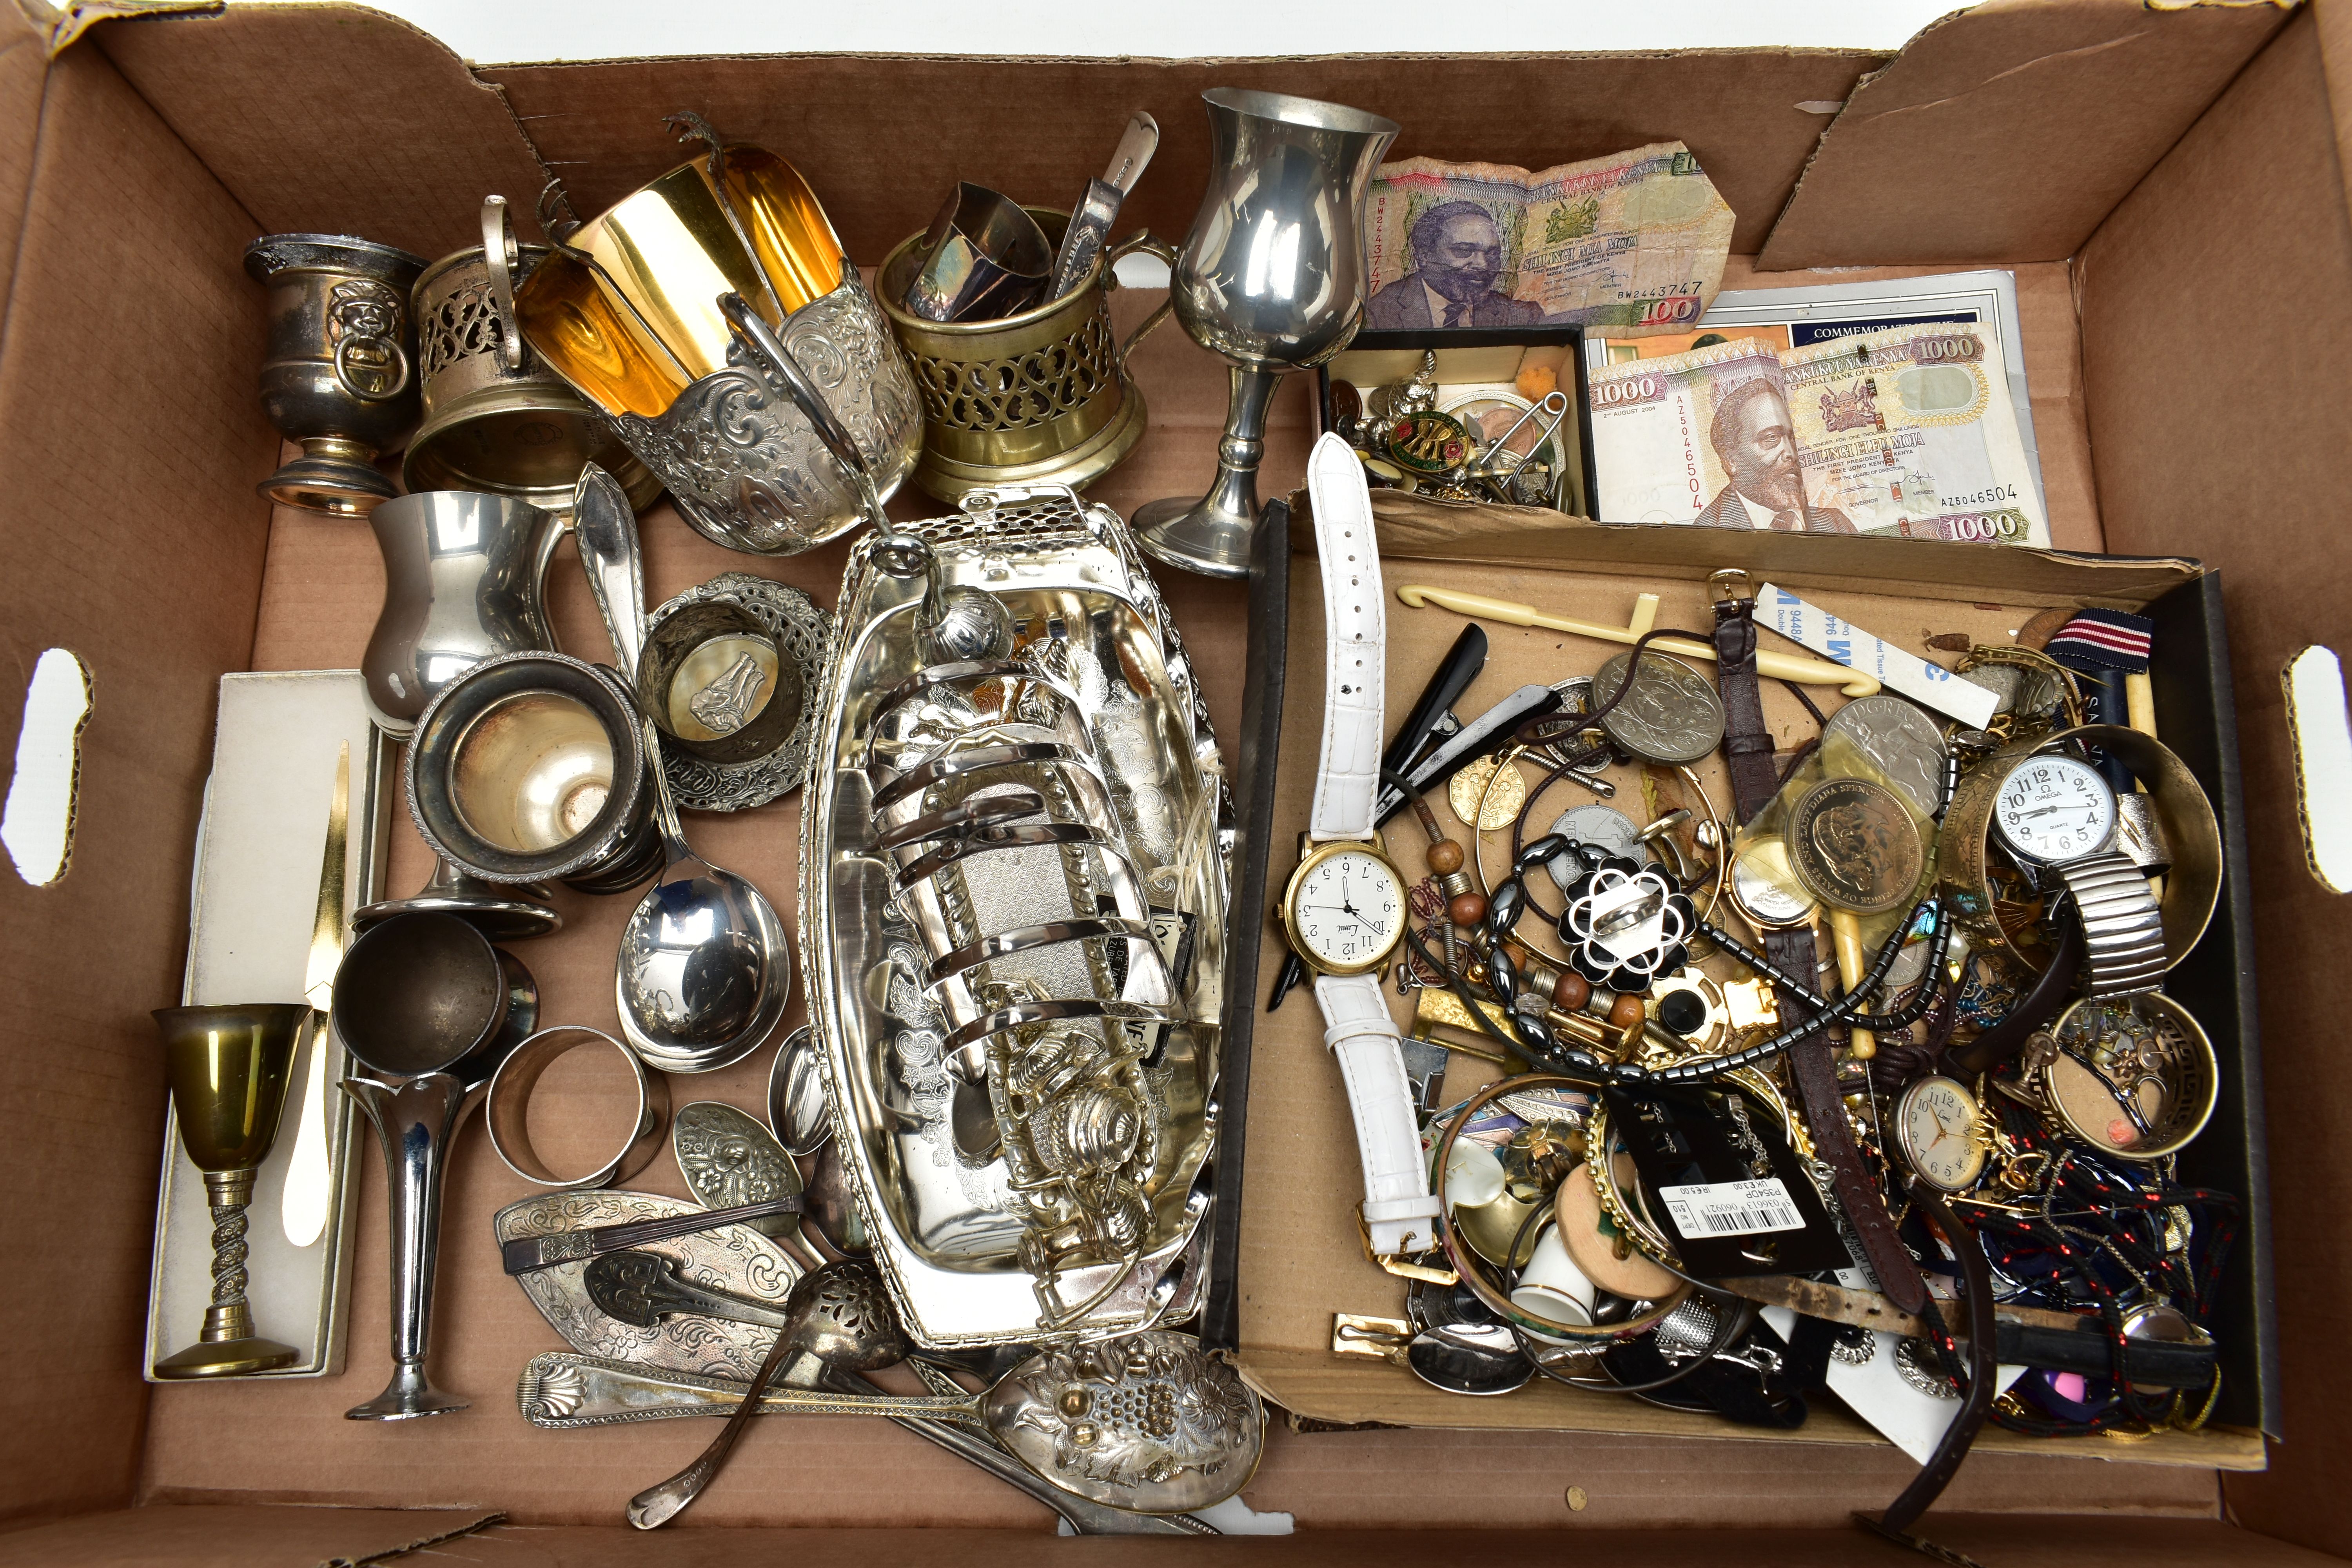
(498, 32)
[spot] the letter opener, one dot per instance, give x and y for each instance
(309, 1176)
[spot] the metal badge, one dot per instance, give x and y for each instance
(1426, 443)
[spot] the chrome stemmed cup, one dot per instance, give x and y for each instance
(1270, 278)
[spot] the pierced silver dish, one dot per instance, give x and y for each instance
(804, 631)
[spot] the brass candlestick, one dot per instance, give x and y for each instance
(229, 1068)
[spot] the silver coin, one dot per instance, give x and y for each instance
(1901, 742)
(1576, 697)
(2016, 689)
(1605, 828)
(1671, 715)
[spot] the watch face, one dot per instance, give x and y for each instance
(2055, 809)
(1936, 1126)
(1347, 910)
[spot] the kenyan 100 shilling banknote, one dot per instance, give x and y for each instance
(1906, 431)
(1634, 244)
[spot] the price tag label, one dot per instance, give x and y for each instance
(1731, 1208)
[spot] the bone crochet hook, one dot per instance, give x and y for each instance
(1805, 670)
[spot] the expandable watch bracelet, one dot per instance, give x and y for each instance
(2123, 926)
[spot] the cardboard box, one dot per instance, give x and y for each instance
(2165, 181)
(1296, 1256)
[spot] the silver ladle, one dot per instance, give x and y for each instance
(1073, 1402)
(705, 966)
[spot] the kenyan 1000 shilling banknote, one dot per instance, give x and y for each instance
(1906, 431)
(1632, 244)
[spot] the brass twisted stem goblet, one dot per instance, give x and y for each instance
(229, 1068)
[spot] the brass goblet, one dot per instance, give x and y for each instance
(229, 1068)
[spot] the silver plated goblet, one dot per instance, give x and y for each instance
(1272, 278)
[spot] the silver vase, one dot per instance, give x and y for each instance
(463, 580)
(1270, 278)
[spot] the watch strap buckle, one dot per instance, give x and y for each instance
(1400, 1263)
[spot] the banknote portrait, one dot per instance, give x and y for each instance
(1456, 278)
(1755, 440)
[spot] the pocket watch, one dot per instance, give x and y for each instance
(1936, 1129)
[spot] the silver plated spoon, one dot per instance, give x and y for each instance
(1144, 1424)
(798, 1112)
(705, 966)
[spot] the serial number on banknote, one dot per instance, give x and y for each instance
(1987, 497)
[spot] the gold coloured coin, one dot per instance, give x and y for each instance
(1853, 845)
(1465, 789)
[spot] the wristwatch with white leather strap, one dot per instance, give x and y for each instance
(1344, 909)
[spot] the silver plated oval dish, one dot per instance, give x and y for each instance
(1014, 872)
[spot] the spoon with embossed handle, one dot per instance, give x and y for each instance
(705, 967)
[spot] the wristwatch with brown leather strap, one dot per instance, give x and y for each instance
(1755, 778)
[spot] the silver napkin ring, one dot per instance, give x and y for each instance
(508, 1110)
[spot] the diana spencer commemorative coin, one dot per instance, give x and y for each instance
(1854, 847)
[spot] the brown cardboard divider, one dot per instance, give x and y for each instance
(1298, 1251)
(300, 1538)
(2038, 118)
